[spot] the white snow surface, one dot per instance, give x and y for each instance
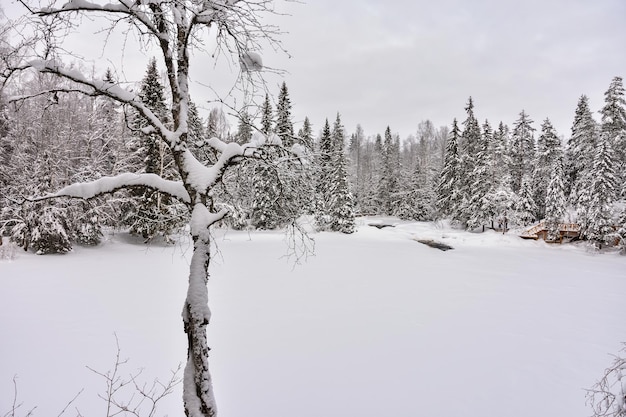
(373, 324)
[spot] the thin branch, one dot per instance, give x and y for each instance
(27, 7)
(70, 402)
(15, 406)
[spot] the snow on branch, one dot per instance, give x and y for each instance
(98, 86)
(202, 219)
(127, 7)
(202, 178)
(251, 61)
(107, 185)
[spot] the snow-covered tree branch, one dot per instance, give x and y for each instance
(107, 185)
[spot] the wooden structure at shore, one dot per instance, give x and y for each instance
(567, 232)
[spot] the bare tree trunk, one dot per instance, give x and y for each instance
(198, 395)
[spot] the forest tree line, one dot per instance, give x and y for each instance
(473, 173)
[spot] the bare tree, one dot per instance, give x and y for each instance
(127, 396)
(122, 396)
(607, 397)
(177, 27)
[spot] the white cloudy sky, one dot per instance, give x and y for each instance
(397, 62)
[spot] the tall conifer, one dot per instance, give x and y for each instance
(284, 125)
(602, 193)
(448, 186)
(341, 201)
(266, 116)
(555, 201)
(323, 178)
(153, 213)
(581, 148)
(521, 150)
(614, 126)
(549, 151)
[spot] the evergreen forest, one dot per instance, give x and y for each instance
(476, 173)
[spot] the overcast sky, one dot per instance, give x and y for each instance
(398, 62)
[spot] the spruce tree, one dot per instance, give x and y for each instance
(305, 135)
(244, 129)
(620, 235)
(49, 231)
(602, 194)
(503, 198)
(521, 150)
(549, 151)
(583, 203)
(448, 186)
(87, 230)
(499, 151)
(471, 138)
(265, 210)
(418, 199)
(284, 125)
(266, 116)
(212, 124)
(196, 127)
(196, 134)
(323, 178)
(505, 203)
(555, 202)
(581, 148)
(45, 228)
(276, 185)
(480, 207)
(152, 213)
(614, 126)
(340, 202)
(387, 184)
(525, 207)
(469, 146)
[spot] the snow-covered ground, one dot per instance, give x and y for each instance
(373, 324)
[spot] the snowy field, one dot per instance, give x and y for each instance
(375, 324)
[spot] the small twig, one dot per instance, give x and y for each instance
(26, 5)
(15, 406)
(70, 402)
(120, 401)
